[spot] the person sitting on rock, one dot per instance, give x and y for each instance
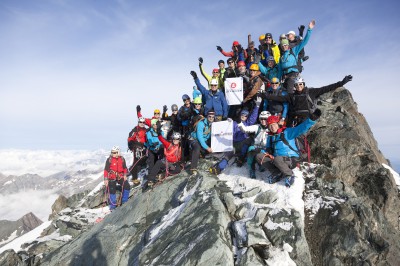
(200, 140)
(303, 101)
(260, 134)
(136, 141)
(214, 98)
(171, 163)
(281, 154)
(241, 142)
(115, 171)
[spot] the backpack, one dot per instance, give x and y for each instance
(303, 148)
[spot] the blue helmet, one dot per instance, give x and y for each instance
(244, 112)
(185, 97)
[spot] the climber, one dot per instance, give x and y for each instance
(153, 145)
(215, 74)
(157, 115)
(171, 163)
(281, 154)
(288, 62)
(260, 132)
(200, 140)
(173, 118)
(214, 98)
(303, 101)
(115, 171)
(275, 108)
(237, 53)
(136, 140)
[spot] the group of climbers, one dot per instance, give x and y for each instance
(276, 109)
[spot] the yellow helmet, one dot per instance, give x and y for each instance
(254, 67)
(197, 100)
(157, 111)
(262, 37)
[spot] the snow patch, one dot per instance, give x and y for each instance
(395, 175)
(273, 226)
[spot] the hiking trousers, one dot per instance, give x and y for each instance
(160, 166)
(280, 164)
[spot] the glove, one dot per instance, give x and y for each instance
(219, 48)
(301, 30)
(138, 109)
(314, 116)
(200, 60)
(158, 128)
(347, 79)
(258, 101)
(194, 74)
(165, 109)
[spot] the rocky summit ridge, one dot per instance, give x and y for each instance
(343, 209)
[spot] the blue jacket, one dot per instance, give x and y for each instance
(184, 115)
(270, 72)
(215, 101)
(279, 148)
(273, 106)
(238, 135)
(288, 62)
(152, 142)
(203, 133)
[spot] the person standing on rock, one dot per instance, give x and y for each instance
(281, 154)
(136, 141)
(115, 171)
(171, 163)
(303, 101)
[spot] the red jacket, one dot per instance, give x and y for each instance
(138, 134)
(173, 153)
(115, 167)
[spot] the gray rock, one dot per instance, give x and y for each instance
(266, 197)
(251, 193)
(250, 258)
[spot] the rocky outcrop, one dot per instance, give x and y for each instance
(350, 214)
(362, 224)
(10, 230)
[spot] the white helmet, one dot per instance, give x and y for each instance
(142, 119)
(115, 149)
(176, 135)
(299, 80)
(264, 115)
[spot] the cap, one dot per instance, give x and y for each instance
(244, 112)
(291, 32)
(275, 80)
(283, 36)
(211, 112)
(270, 58)
(235, 43)
(268, 35)
(214, 82)
(215, 70)
(154, 121)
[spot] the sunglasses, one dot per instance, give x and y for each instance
(156, 113)
(263, 119)
(197, 104)
(211, 116)
(215, 72)
(114, 152)
(268, 38)
(275, 83)
(214, 85)
(298, 84)
(230, 62)
(285, 45)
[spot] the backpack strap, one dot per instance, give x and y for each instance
(283, 138)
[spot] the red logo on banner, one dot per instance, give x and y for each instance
(233, 85)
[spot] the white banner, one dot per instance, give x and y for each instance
(222, 136)
(234, 91)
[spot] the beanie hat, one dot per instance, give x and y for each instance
(154, 121)
(285, 42)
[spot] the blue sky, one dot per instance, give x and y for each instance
(72, 72)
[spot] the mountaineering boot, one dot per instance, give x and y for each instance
(252, 174)
(125, 196)
(289, 180)
(274, 178)
(215, 169)
(112, 201)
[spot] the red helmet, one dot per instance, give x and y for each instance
(235, 43)
(273, 119)
(241, 63)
